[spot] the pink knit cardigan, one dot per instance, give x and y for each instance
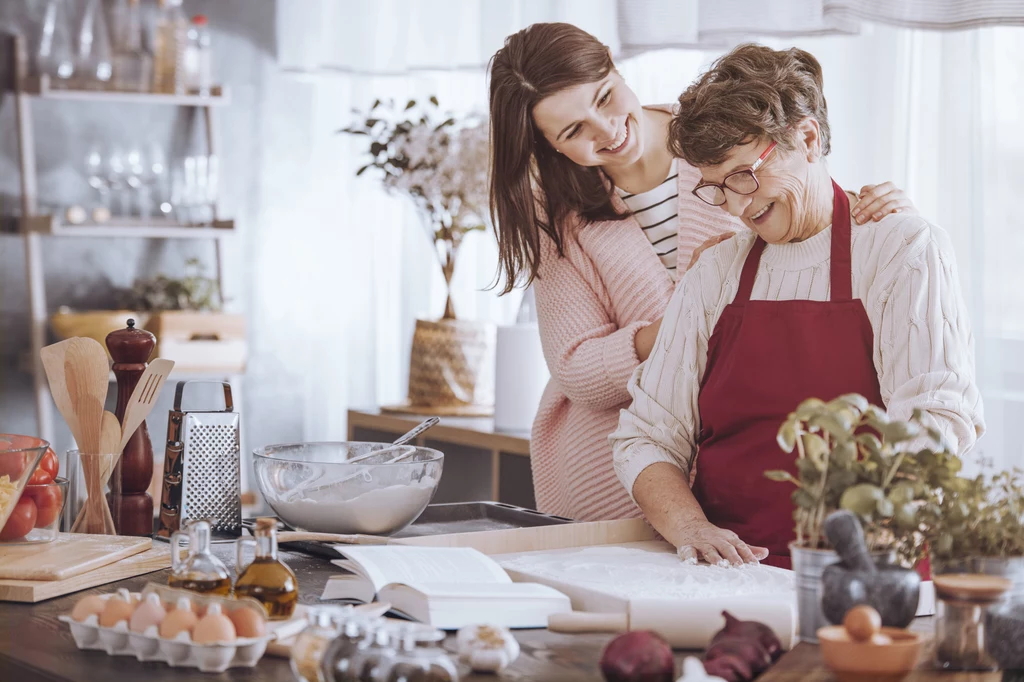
(591, 303)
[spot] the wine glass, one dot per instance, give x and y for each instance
(95, 175)
(116, 181)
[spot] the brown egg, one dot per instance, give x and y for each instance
(247, 622)
(87, 606)
(213, 627)
(862, 622)
(116, 610)
(148, 613)
(181, 619)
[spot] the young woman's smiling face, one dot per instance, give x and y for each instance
(594, 124)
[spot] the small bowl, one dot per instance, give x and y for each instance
(19, 457)
(50, 499)
(313, 487)
(853, 661)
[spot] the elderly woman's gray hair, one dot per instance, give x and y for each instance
(752, 92)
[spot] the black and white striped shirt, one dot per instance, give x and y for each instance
(657, 211)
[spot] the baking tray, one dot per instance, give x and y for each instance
(444, 519)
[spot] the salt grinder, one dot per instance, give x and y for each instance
(130, 504)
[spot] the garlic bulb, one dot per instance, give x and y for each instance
(693, 671)
(486, 648)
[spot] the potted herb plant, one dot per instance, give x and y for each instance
(976, 525)
(186, 316)
(851, 456)
(439, 163)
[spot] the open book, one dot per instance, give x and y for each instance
(447, 587)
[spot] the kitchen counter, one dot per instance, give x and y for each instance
(34, 645)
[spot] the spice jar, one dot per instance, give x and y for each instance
(418, 656)
(964, 601)
(342, 660)
(307, 653)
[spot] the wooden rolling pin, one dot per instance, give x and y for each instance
(685, 623)
(353, 539)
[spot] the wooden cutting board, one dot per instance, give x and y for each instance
(69, 555)
(32, 591)
(562, 536)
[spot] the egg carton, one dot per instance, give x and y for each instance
(243, 652)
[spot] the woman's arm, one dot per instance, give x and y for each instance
(586, 351)
(655, 442)
(924, 349)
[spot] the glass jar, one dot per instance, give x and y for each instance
(418, 656)
(341, 661)
(963, 603)
(323, 625)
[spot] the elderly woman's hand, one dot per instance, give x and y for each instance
(878, 201)
(700, 539)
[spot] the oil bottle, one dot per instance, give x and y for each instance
(266, 579)
(199, 571)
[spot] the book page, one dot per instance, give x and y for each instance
(422, 565)
(479, 591)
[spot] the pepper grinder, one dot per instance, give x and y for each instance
(130, 348)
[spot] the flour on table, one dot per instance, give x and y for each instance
(647, 570)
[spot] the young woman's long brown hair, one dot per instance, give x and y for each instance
(534, 63)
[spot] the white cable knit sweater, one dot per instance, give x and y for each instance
(904, 271)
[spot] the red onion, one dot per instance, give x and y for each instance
(730, 668)
(751, 629)
(750, 650)
(641, 656)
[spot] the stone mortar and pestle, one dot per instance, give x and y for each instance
(1004, 632)
(891, 590)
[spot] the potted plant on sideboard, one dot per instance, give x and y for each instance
(849, 457)
(439, 163)
(184, 313)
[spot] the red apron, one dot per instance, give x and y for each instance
(764, 358)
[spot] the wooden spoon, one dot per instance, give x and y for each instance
(53, 364)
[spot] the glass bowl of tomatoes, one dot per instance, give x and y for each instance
(29, 516)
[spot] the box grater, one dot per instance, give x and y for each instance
(202, 467)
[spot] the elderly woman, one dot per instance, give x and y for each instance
(805, 304)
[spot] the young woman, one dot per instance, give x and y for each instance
(591, 207)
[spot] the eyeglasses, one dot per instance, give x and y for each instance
(741, 182)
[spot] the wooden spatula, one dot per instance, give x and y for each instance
(88, 378)
(143, 398)
(53, 364)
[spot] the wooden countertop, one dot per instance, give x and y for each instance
(34, 645)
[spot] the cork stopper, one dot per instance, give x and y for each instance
(971, 587)
(265, 524)
(130, 345)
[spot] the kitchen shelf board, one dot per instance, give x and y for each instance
(40, 87)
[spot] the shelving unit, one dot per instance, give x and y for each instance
(34, 226)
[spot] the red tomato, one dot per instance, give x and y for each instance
(48, 499)
(21, 521)
(47, 469)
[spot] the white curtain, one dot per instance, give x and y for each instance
(939, 113)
